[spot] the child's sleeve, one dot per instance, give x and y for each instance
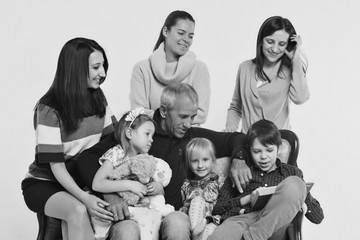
(221, 181)
(115, 155)
(314, 212)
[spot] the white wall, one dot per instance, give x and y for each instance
(33, 32)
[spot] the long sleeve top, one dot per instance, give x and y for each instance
(54, 144)
(271, 100)
(151, 76)
(229, 204)
(207, 188)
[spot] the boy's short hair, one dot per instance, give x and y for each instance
(266, 132)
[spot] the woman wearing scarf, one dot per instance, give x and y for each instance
(171, 62)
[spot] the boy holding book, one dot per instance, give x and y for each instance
(239, 219)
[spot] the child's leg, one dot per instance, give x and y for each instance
(197, 215)
(149, 221)
(280, 210)
(232, 228)
(209, 229)
(64, 206)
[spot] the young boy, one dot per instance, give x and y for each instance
(239, 220)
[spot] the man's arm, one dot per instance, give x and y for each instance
(226, 144)
(88, 161)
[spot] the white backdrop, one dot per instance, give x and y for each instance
(33, 32)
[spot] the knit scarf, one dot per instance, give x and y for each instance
(158, 65)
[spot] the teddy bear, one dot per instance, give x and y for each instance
(145, 168)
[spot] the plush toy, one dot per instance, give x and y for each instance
(145, 168)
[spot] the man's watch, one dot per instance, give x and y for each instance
(241, 155)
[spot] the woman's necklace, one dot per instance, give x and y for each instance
(269, 72)
(272, 71)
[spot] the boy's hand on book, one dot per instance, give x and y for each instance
(245, 200)
(261, 195)
(253, 196)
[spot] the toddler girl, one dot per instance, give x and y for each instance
(200, 189)
(134, 133)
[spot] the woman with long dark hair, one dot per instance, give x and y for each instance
(266, 84)
(72, 116)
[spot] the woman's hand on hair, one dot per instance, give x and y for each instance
(296, 50)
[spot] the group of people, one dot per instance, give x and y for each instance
(79, 142)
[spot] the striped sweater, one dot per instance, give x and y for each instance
(53, 144)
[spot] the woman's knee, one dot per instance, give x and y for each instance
(78, 214)
(64, 206)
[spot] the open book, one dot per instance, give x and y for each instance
(262, 195)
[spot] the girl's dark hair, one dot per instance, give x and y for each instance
(121, 126)
(194, 148)
(171, 21)
(69, 94)
(266, 132)
(271, 25)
